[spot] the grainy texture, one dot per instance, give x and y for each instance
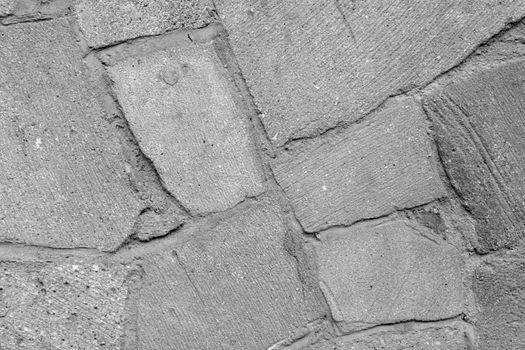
(479, 130)
(7, 7)
(63, 179)
(406, 336)
(499, 286)
(73, 304)
(181, 107)
(383, 272)
(16, 11)
(229, 287)
(311, 64)
(106, 22)
(365, 171)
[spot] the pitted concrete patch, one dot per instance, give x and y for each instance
(229, 287)
(67, 304)
(181, 106)
(384, 272)
(453, 336)
(365, 171)
(499, 287)
(479, 130)
(311, 64)
(63, 179)
(106, 22)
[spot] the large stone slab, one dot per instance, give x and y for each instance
(182, 107)
(106, 22)
(68, 304)
(63, 179)
(499, 287)
(365, 171)
(229, 287)
(479, 130)
(311, 64)
(414, 336)
(383, 272)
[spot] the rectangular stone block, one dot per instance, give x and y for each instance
(479, 130)
(368, 170)
(388, 271)
(312, 64)
(181, 106)
(106, 22)
(63, 178)
(232, 286)
(72, 303)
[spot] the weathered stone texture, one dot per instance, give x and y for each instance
(16, 11)
(499, 286)
(311, 64)
(73, 304)
(182, 108)
(365, 171)
(229, 287)
(388, 271)
(403, 337)
(106, 22)
(7, 7)
(479, 130)
(63, 181)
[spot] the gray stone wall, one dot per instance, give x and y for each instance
(248, 174)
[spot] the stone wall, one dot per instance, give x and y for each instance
(249, 174)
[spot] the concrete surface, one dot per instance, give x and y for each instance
(218, 174)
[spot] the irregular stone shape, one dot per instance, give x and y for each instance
(499, 286)
(17, 11)
(74, 304)
(365, 171)
(479, 130)
(311, 64)
(181, 106)
(63, 181)
(106, 22)
(384, 272)
(230, 287)
(453, 336)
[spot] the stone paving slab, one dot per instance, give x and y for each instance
(63, 179)
(232, 286)
(479, 130)
(368, 170)
(383, 271)
(106, 22)
(181, 106)
(66, 304)
(499, 287)
(453, 336)
(311, 64)
(16, 11)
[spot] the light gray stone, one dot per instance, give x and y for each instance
(388, 271)
(71, 304)
(232, 286)
(106, 22)
(63, 178)
(479, 130)
(368, 170)
(452, 336)
(182, 107)
(16, 11)
(312, 64)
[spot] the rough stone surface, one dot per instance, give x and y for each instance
(7, 7)
(406, 336)
(229, 287)
(499, 286)
(479, 130)
(383, 272)
(106, 22)
(63, 181)
(181, 107)
(72, 304)
(311, 64)
(365, 171)
(16, 11)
